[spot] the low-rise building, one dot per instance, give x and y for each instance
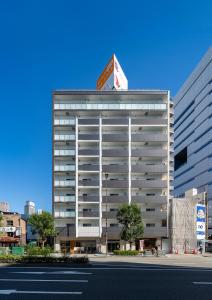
(12, 230)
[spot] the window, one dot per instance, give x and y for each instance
(9, 223)
(150, 225)
(10, 234)
(164, 223)
(113, 209)
(114, 225)
(180, 159)
(150, 209)
(86, 225)
(150, 194)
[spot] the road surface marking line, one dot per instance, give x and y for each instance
(42, 280)
(202, 283)
(9, 292)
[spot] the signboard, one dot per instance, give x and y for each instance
(7, 229)
(112, 77)
(201, 220)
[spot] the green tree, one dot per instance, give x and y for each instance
(130, 217)
(43, 225)
(1, 219)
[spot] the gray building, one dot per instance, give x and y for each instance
(193, 133)
(125, 134)
(29, 209)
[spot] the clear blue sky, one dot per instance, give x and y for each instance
(47, 45)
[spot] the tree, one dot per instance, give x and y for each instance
(130, 217)
(43, 225)
(1, 219)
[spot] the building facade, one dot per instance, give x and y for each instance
(193, 133)
(110, 148)
(29, 209)
(12, 230)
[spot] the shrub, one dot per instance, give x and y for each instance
(43, 259)
(126, 252)
(34, 250)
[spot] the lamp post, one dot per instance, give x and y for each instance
(106, 178)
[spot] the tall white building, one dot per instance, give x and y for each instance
(193, 133)
(29, 209)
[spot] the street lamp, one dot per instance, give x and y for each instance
(106, 178)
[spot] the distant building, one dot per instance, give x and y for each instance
(40, 211)
(29, 208)
(4, 206)
(193, 133)
(13, 230)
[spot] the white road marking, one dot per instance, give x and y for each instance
(42, 280)
(57, 272)
(202, 283)
(9, 292)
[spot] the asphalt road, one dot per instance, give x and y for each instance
(124, 281)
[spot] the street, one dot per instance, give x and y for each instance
(107, 280)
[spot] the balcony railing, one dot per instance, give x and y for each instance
(64, 121)
(115, 168)
(115, 153)
(88, 214)
(117, 121)
(88, 183)
(64, 183)
(64, 214)
(88, 121)
(115, 199)
(115, 183)
(115, 137)
(149, 121)
(64, 168)
(64, 137)
(64, 152)
(149, 137)
(88, 137)
(149, 183)
(139, 168)
(109, 214)
(88, 152)
(90, 167)
(88, 199)
(112, 232)
(64, 198)
(149, 152)
(92, 231)
(155, 215)
(66, 231)
(149, 199)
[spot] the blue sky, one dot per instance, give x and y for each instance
(47, 45)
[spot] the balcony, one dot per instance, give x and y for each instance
(115, 183)
(88, 137)
(150, 232)
(115, 199)
(64, 198)
(88, 167)
(64, 214)
(62, 183)
(66, 231)
(66, 168)
(88, 121)
(115, 168)
(64, 152)
(149, 184)
(88, 199)
(115, 153)
(149, 152)
(109, 214)
(149, 121)
(64, 137)
(91, 231)
(149, 168)
(88, 214)
(149, 137)
(115, 137)
(64, 121)
(149, 199)
(116, 121)
(155, 215)
(112, 232)
(88, 152)
(94, 183)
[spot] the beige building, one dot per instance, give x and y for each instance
(12, 230)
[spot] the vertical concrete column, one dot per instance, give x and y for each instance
(100, 175)
(129, 160)
(76, 174)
